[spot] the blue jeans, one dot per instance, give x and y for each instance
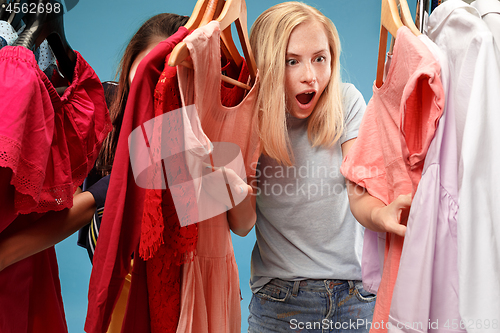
(311, 306)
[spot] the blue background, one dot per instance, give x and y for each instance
(100, 31)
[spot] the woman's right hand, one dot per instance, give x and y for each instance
(216, 185)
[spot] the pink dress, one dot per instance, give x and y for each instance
(210, 296)
(388, 156)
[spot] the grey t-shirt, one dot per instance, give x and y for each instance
(305, 228)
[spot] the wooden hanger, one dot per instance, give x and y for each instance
(407, 19)
(209, 9)
(203, 13)
(236, 11)
(389, 22)
(197, 15)
(233, 11)
(228, 47)
(404, 12)
(210, 12)
(202, 10)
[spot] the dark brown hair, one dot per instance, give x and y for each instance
(159, 26)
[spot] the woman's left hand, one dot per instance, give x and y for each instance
(394, 216)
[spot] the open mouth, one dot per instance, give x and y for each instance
(305, 98)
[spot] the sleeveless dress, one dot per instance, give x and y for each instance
(210, 296)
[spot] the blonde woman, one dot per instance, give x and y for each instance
(306, 263)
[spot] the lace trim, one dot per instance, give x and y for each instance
(164, 243)
(30, 195)
(160, 220)
(27, 178)
(55, 198)
(152, 226)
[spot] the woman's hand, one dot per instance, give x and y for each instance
(393, 217)
(218, 182)
(374, 214)
(223, 183)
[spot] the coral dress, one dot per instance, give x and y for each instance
(210, 295)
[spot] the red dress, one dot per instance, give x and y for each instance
(49, 144)
(120, 228)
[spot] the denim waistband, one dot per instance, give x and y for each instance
(315, 285)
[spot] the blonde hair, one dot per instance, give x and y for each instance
(269, 41)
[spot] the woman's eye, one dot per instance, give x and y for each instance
(320, 59)
(291, 62)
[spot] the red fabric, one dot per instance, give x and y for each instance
(30, 297)
(120, 228)
(388, 156)
(159, 206)
(164, 243)
(136, 318)
(50, 142)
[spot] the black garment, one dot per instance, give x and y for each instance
(98, 186)
(87, 236)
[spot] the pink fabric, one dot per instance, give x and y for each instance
(210, 297)
(426, 290)
(50, 142)
(387, 157)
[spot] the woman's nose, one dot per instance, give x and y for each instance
(308, 75)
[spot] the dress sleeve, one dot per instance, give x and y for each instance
(27, 117)
(425, 95)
